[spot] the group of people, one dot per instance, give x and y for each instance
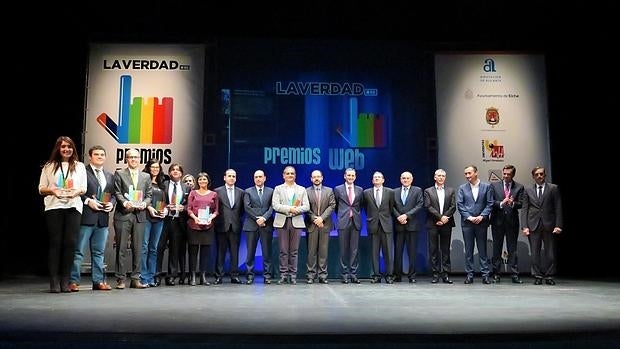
(154, 212)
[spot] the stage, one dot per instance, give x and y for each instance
(572, 313)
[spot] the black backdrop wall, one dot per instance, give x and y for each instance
(49, 71)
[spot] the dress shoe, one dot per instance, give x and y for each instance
(170, 282)
(468, 280)
(398, 279)
(157, 281)
(435, 280)
(267, 281)
(446, 280)
(323, 281)
(120, 285)
(235, 280)
(375, 280)
(182, 279)
(283, 280)
(192, 279)
(486, 280)
(137, 284)
(496, 279)
(516, 280)
(218, 281)
(73, 287)
(550, 282)
(310, 281)
(249, 281)
(412, 280)
(54, 286)
(102, 286)
(355, 280)
(345, 281)
(153, 284)
(293, 281)
(203, 279)
(389, 280)
(538, 281)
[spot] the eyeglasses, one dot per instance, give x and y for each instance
(289, 173)
(188, 181)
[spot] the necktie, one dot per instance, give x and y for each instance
(403, 195)
(100, 179)
(231, 197)
(134, 179)
(378, 197)
(539, 191)
(350, 194)
(318, 200)
(507, 190)
(173, 197)
(260, 194)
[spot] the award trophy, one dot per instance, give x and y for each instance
(203, 215)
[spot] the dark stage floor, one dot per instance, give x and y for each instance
(574, 313)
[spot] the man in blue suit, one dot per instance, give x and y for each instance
(258, 224)
(474, 202)
(349, 201)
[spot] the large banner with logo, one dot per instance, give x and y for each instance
(491, 111)
(148, 97)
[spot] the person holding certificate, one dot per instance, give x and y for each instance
(202, 208)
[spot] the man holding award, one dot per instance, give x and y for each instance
(94, 226)
(290, 201)
(133, 192)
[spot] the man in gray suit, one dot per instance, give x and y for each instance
(228, 226)
(289, 201)
(507, 200)
(130, 217)
(474, 202)
(319, 223)
(379, 203)
(440, 202)
(541, 220)
(258, 224)
(408, 202)
(349, 199)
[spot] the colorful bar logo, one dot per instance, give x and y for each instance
(143, 121)
(367, 130)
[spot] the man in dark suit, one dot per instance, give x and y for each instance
(379, 203)
(474, 202)
(349, 199)
(440, 202)
(507, 200)
(130, 217)
(318, 225)
(228, 226)
(95, 216)
(408, 202)
(258, 224)
(174, 233)
(541, 220)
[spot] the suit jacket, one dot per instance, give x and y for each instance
(431, 203)
(90, 216)
(379, 215)
(327, 206)
(343, 206)
(281, 203)
(256, 207)
(506, 215)
(469, 207)
(122, 181)
(546, 211)
(229, 217)
(413, 205)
